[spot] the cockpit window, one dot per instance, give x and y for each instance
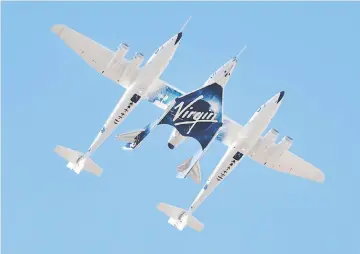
(262, 106)
(158, 49)
(256, 113)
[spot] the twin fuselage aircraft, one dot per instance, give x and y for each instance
(198, 114)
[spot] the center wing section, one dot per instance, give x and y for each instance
(197, 114)
(164, 94)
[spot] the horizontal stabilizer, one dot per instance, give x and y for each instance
(77, 161)
(129, 137)
(67, 153)
(194, 172)
(180, 218)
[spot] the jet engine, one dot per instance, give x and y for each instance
(281, 147)
(138, 59)
(271, 137)
(267, 144)
(119, 54)
(175, 139)
(285, 143)
(274, 152)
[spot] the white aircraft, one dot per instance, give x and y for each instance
(140, 83)
(220, 77)
(247, 142)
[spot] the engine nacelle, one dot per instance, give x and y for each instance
(274, 152)
(271, 137)
(175, 139)
(281, 147)
(119, 54)
(267, 142)
(286, 142)
(138, 59)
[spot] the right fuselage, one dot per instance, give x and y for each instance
(245, 141)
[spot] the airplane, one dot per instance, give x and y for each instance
(247, 142)
(140, 83)
(221, 76)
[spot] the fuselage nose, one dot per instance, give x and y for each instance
(178, 38)
(171, 45)
(165, 52)
(174, 41)
(274, 103)
(280, 97)
(276, 99)
(230, 65)
(222, 75)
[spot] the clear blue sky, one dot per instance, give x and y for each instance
(50, 96)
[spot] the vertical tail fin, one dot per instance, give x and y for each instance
(180, 218)
(77, 161)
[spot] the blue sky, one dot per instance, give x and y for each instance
(50, 96)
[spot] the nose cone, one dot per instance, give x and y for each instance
(281, 95)
(171, 146)
(229, 66)
(178, 38)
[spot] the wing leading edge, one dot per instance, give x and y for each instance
(93, 53)
(294, 165)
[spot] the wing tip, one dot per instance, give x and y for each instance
(58, 29)
(322, 178)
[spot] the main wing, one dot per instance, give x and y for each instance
(289, 163)
(293, 164)
(93, 53)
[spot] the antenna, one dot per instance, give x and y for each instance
(243, 49)
(183, 27)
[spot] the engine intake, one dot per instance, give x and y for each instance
(271, 136)
(138, 59)
(119, 54)
(283, 145)
(286, 142)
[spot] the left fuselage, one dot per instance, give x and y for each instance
(139, 88)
